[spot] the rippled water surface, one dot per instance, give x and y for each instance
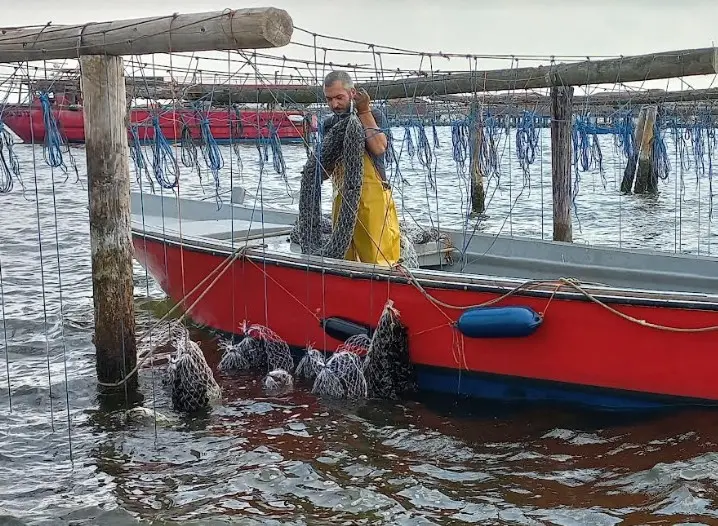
(300, 460)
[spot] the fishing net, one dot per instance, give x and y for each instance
(342, 144)
(362, 366)
(358, 344)
(310, 365)
(387, 368)
(245, 355)
(261, 348)
(189, 377)
(341, 377)
(420, 236)
(325, 229)
(407, 252)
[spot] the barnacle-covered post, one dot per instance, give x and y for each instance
(561, 115)
(640, 165)
(108, 182)
(100, 47)
(476, 136)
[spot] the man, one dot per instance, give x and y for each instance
(376, 235)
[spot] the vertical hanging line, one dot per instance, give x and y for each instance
(42, 271)
(231, 182)
(147, 278)
(177, 190)
(62, 314)
(261, 198)
(7, 348)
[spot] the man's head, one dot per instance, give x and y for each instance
(339, 91)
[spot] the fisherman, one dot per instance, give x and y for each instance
(376, 234)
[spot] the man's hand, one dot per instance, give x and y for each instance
(362, 101)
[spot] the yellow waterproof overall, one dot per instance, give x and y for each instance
(376, 234)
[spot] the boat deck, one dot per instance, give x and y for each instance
(269, 229)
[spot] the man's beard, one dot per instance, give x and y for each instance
(343, 113)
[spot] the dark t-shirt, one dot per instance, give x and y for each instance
(379, 162)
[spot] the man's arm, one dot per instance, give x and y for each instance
(376, 141)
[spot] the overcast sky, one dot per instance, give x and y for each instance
(543, 27)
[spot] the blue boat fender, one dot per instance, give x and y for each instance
(512, 321)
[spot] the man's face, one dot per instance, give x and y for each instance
(339, 98)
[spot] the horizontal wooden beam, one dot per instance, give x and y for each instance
(251, 28)
(618, 98)
(638, 68)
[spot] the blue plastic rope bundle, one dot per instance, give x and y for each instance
(680, 140)
(527, 140)
(587, 154)
(425, 154)
(490, 146)
(9, 163)
(188, 150)
(275, 144)
(701, 133)
(138, 157)
(391, 156)
(460, 144)
(52, 149)
(409, 141)
(435, 133)
(624, 130)
(236, 133)
(661, 163)
(163, 162)
(210, 150)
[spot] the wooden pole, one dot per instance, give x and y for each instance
(637, 68)
(478, 194)
(640, 166)
(561, 111)
(108, 175)
(251, 28)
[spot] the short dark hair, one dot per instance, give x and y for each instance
(338, 76)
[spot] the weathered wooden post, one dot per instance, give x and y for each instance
(640, 166)
(108, 183)
(476, 136)
(561, 113)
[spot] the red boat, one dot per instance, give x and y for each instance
(225, 124)
(637, 331)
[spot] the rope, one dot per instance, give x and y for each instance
(527, 139)
(188, 151)
(212, 155)
(163, 160)
(52, 149)
(139, 159)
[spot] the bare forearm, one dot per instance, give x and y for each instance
(376, 141)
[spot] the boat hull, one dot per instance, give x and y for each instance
(582, 353)
(28, 124)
